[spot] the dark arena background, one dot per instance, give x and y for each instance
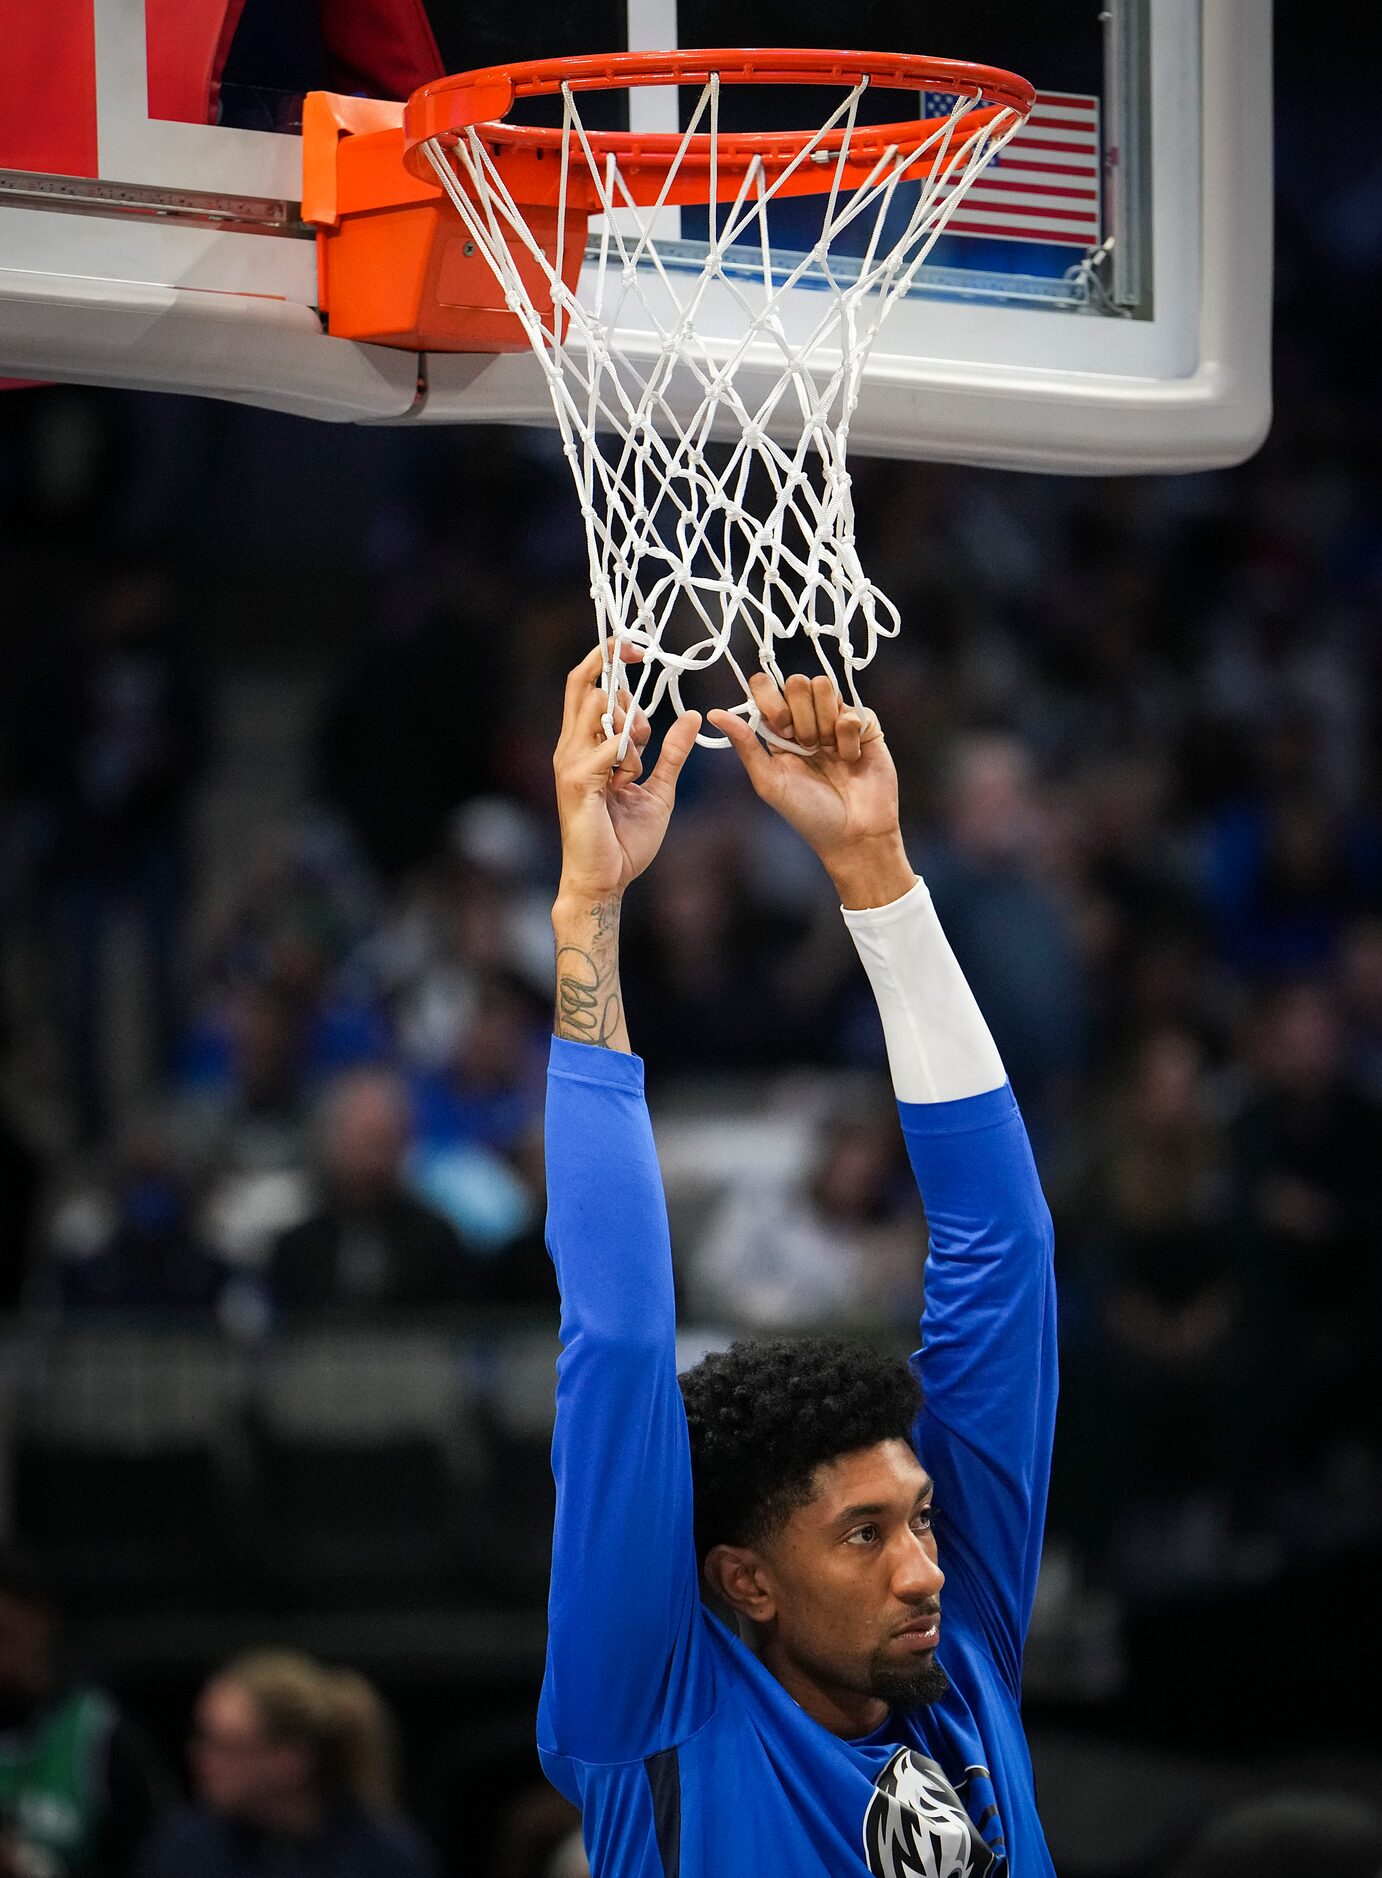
(277, 846)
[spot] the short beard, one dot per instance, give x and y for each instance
(910, 1688)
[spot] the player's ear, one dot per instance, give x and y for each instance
(736, 1576)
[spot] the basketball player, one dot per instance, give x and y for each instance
(789, 1591)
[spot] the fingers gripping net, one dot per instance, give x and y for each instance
(698, 555)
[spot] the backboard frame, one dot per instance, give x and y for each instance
(184, 266)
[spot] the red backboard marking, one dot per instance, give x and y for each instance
(48, 89)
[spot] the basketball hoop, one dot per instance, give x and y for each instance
(695, 563)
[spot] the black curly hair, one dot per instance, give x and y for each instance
(765, 1414)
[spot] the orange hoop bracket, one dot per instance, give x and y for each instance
(530, 158)
(394, 265)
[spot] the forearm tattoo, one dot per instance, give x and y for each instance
(588, 1006)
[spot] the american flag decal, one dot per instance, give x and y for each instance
(1044, 184)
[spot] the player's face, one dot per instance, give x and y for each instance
(857, 1588)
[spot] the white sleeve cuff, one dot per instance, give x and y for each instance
(939, 1047)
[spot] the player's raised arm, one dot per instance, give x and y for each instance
(612, 826)
(988, 1358)
(622, 1667)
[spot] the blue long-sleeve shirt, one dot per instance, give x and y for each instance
(687, 1758)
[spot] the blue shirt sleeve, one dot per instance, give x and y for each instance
(987, 1363)
(628, 1672)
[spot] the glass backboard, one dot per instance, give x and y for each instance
(1104, 304)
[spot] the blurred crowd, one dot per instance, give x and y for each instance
(291, 1768)
(1136, 723)
(1137, 735)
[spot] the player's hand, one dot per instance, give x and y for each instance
(842, 797)
(612, 824)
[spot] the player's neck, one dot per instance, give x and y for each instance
(844, 1712)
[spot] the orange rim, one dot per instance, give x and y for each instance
(447, 107)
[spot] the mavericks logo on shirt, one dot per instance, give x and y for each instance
(917, 1827)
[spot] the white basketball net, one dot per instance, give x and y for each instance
(694, 562)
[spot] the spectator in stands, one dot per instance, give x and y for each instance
(840, 1247)
(293, 1771)
(291, 1003)
(370, 1244)
(1014, 938)
(250, 1115)
(472, 916)
(299, 912)
(1283, 874)
(144, 1254)
(79, 1788)
(489, 1092)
